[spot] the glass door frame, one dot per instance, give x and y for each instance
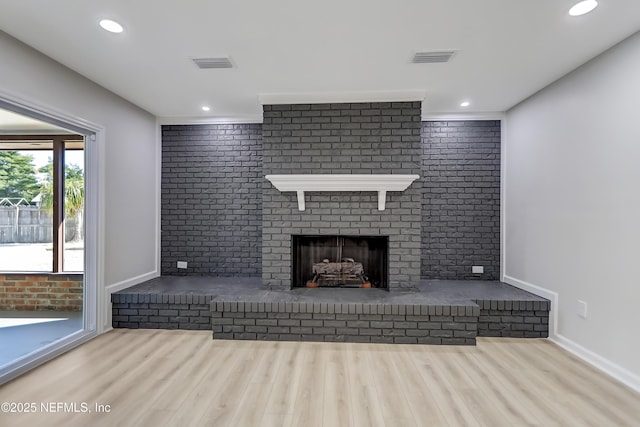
(94, 297)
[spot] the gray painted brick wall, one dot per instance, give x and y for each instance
(351, 139)
(212, 199)
(212, 185)
(461, 199)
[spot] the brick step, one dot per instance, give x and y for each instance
(352, 322)
(380, 323)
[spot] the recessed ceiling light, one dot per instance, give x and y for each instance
(464, 104)
(205, 108)
(111, 26)
(583, 7)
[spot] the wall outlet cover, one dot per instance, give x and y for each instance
(477, 269)
(182, 264)
(582, 309)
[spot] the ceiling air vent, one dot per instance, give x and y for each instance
(432, 57)
(209, 63)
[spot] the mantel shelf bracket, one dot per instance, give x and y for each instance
(380, 183)
(382, 200)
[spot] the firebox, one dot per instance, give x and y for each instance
(339, 261)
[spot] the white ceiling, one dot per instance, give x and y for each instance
(13, 123)
(330, 50)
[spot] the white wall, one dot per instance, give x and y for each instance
(129, 157)
(572, 205)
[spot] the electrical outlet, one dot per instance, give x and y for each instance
(477, 269)
(582, 309)
(182, 264)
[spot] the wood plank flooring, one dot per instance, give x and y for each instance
(184, 378)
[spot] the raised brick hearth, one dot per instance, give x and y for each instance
(440, 312)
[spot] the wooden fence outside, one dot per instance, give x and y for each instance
(30, 224)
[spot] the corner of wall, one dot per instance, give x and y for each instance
(503, 196)
(605, 365)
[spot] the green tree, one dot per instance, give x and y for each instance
(17, 176)
(73, 193)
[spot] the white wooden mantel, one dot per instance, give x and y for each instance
(380, 183)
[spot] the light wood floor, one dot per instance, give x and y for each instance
(182, 378)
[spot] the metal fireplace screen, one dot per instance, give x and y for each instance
(340, 261)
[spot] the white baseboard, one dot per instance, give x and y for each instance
(605, 365)
(131, 282)
(115, 287)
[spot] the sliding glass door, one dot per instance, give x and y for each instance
(44, 303)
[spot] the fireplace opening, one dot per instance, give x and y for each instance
(339, 261)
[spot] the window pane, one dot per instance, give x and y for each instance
(26, 225)
(73, 257)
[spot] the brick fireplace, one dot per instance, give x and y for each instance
(230, 211)
(357, 138)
